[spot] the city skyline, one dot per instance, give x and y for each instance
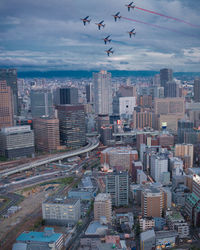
(51, 36)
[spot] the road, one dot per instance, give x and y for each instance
(92, 144)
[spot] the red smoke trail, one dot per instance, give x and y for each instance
(173, 18)
(153, 25)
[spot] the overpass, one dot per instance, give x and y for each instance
(136, 132)
(92, 144)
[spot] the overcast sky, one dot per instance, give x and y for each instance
(49, 34)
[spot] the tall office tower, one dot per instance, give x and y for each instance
(41, 103)
(118, 187)
(88, 90)
(151, 202)
(64, 96)
(72, 125)
(102, 93)
(10, 76)
(47, 136)
(156, 80)
(186, 153)
(6, 107)
(103, 207)
(159, 166)
(106, 134)
(183, 127)
(171, 89)
(144, 101)
(17, 142)
(170, 110)
(197, 90)
(166, 75)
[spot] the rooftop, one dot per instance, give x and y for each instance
(176, 216)
(102, 197)
(147, 235)
(96, 228)
(61, 200)
(120, 150)
(165, 234)
(47, 236)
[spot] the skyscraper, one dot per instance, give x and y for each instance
(171, 89)
(197, 90)
(41, 103)
(10, 76)
(64, 96)
(166, 75)
(159, 166)
(72, 125)
(47, 136)
(6, 107)
(88, 89)
(118, 187)
(102, 93)
(183, 127)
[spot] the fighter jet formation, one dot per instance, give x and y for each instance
(101, 24)
(132, 32)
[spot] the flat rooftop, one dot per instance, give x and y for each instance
(39, 236)
(61, 200)
(103, 197)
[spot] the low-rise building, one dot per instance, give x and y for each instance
(147, 240)
(146, 224)
(61, 211)
(47, 240)
(166, 239)
(176, 222)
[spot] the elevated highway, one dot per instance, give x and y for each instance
(92, 144)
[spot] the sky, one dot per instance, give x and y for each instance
(49, 35)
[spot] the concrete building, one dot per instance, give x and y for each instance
(185, 151)
(41, 103)
(144, 118)
(151, 202)
(171, 89)
(136, 165)
(10, 76)
(119, 156)
(106, 134)
(89, 93)
(6, 105)
(146, 224)
(159, 166)
(126, 106)
(175, 166)
(176, 222)
(197, 90)
(117, 185)
(64, 96)
(17, 142)
(103, 207)
(141, 177)
(147, 240)
(47, 137)
(184, 126)
(72, 125)
(102, 93)
(170, 110)
(61, 211)
(47, 240)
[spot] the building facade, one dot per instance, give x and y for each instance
(17, 142)
(72, 125)
(6, 107)
(103, 207)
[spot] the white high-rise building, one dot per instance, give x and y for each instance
(102, 93)
(159, 165)
(127, 105)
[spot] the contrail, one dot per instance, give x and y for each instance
(153, 25)
(169, 17)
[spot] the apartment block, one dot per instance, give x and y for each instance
(103, 207)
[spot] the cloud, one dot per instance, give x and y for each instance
(50, 34)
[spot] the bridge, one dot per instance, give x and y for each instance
(92, 144)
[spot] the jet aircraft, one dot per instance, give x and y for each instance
(100, 24)
(85, 20)
(132, 33)
(109, 51)
(106, 39)
(116, 16)
(130, 6)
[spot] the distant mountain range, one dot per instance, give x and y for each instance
(88, 74)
